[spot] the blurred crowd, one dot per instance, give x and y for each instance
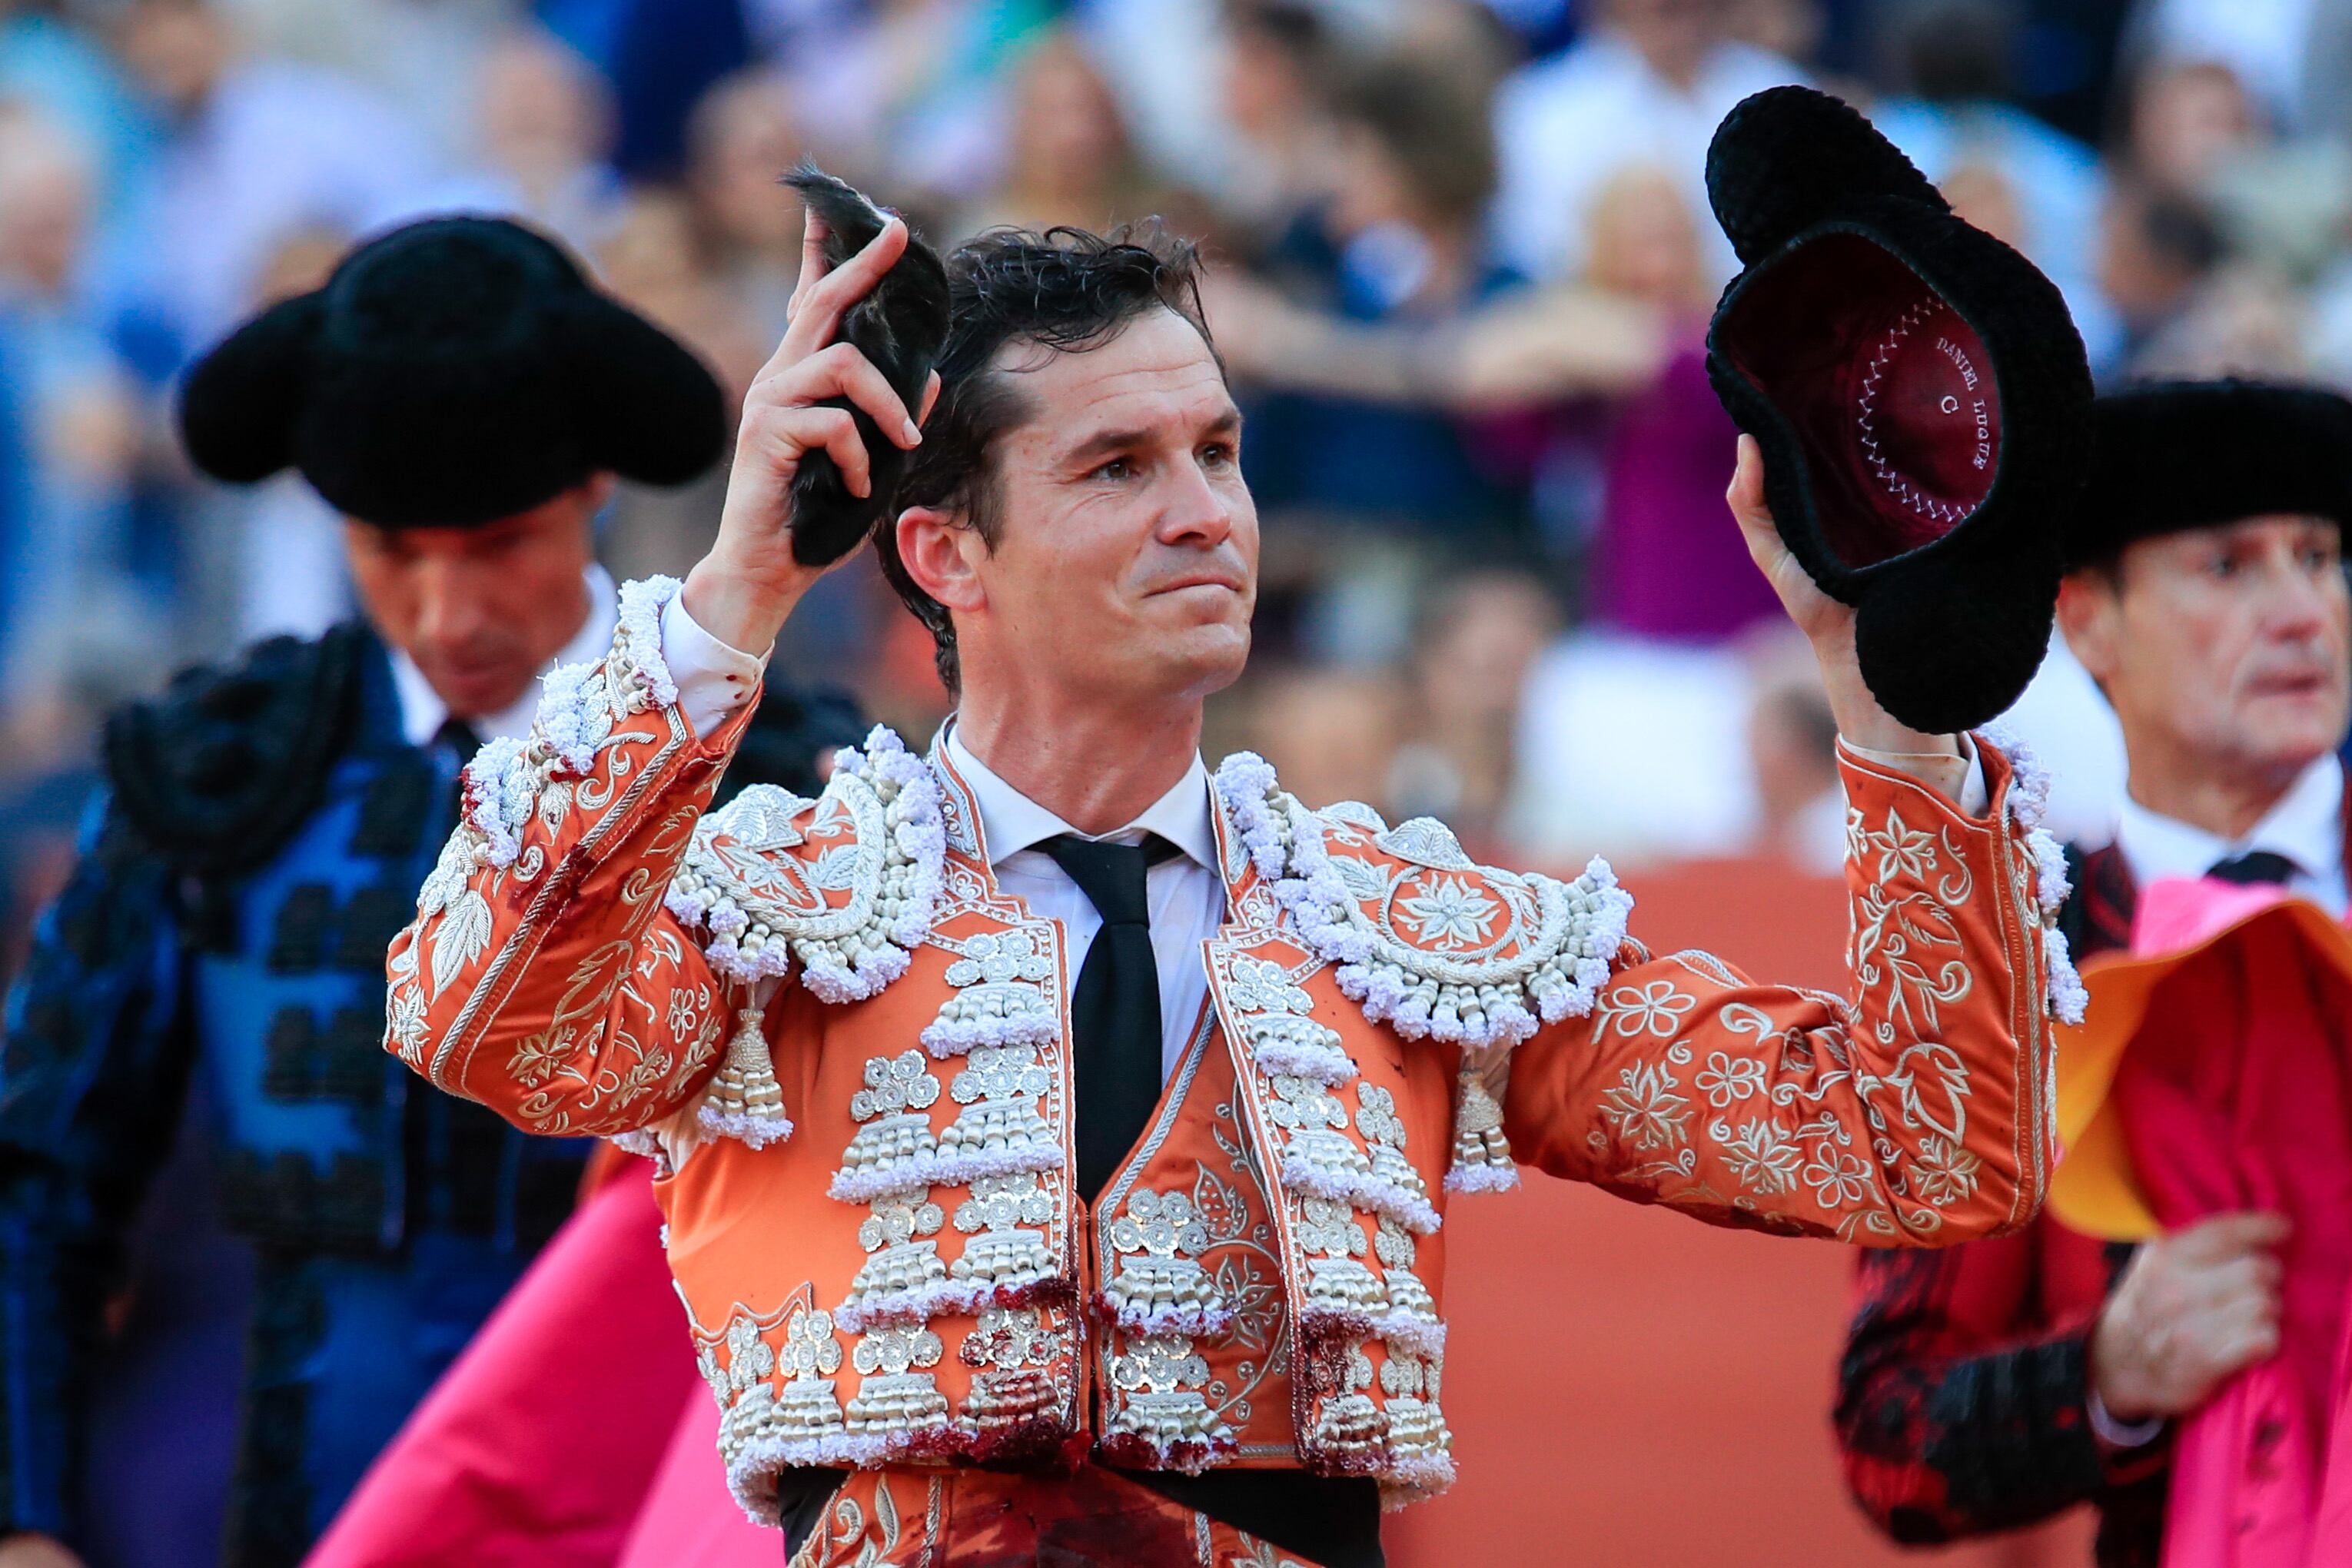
(1462, 265)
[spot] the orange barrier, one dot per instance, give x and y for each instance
(1630, 1389)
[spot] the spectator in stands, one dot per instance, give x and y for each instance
(1647, 86)
(1280, 61)
(658, 259)
(742, 133)
(1338, 728)
(1792, 753)
(2008, 172)
(1479, 634)
(2154, 249)
(257, 148)
(2266, 52)
(544, 122)
(2187, 118)
(1663, 568)
(1618, 721)
(1401, 240)
(61, 71)
(909, 93)
(1067, 158)
(71, 544)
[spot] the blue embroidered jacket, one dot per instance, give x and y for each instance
(262, 839)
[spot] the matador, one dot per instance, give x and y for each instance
(1055, 1135)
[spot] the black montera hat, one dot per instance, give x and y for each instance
(451, 372)
(1920, 395)
(2189, 454)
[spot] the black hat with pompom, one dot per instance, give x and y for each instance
(449, 374)
(1920, 395)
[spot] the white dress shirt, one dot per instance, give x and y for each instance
(2306, 825)
(1184, 896)
(1566, 126)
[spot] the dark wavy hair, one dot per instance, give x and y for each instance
(1066, 291)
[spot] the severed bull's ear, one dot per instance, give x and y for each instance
(901, 327)
(851, 221)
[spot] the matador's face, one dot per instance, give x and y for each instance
(1125, 561)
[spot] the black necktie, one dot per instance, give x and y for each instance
(1115, 1007)
(463, 739)
(2257, 866)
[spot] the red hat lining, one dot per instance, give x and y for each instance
(1890, 393)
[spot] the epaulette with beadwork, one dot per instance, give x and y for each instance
(1429, 942)
(838, 891)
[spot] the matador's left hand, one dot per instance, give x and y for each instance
(1829, 625)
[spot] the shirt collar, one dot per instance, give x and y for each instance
(1011, 822)
(422, 711)
(2306, 825)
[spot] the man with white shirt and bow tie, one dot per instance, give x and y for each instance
(1054, 1134)
(1994, 1385)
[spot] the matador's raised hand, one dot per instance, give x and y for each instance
(1935, 760)
(743, 590)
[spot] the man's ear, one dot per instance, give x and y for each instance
(2090, 614)
(941, 554)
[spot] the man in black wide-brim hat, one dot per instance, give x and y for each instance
(2000, 1383)
(466, 398)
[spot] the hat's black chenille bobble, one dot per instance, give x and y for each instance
(900, 327)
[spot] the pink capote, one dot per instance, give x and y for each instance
(573, 1433)
(2236, 1093)
(689, 1515)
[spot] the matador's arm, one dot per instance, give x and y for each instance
(542, 975)
(1916, 1110)
(570, 968)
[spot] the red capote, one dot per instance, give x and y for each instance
(2235, 1093)
(539, 1445)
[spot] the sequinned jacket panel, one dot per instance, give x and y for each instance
(846, 1050)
